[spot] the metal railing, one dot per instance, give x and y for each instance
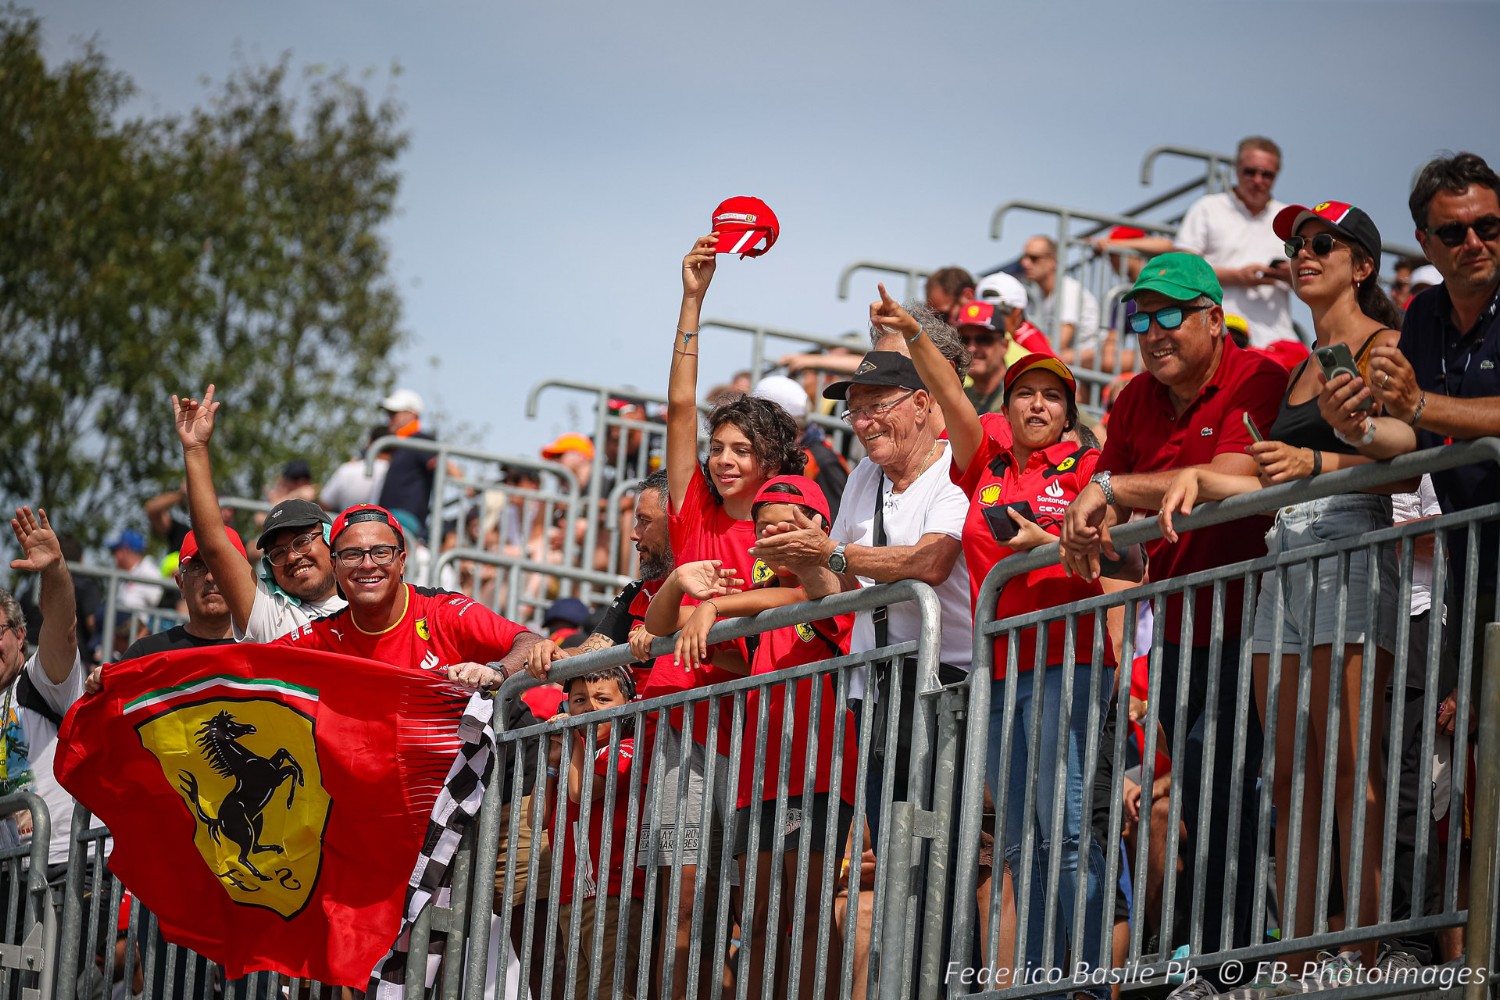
(137, 621)
(1240, 946)
(28, 951)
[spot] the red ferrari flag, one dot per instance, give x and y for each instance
(267, 803)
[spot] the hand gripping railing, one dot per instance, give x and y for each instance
(899, 855)
(32, 943)
(1482, 909)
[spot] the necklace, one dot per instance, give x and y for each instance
(926, 462)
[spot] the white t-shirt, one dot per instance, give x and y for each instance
(274, 615)
(1222, 230)
(41, 740)
(1071, 303)
(1410, 507)
(931, 505)
(349, 485)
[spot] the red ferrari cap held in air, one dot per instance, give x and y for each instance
(742, 224)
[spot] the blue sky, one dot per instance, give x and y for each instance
(565, 155)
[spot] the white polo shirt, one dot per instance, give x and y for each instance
(1221, 229)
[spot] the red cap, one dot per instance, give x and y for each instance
(190, 545)
(362, 512)
(1286, 353)
(794, 489)
(741, 224)
(1125, 233)
(981, 314)
(1047, 363)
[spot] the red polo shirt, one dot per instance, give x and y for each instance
(1148, 435)
(1049, 482)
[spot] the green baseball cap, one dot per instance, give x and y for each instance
(1180, 276)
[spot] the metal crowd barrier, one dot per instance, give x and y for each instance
(28, 950)
(1238, 952)
(139, 621)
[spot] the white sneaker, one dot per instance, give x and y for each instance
(1333, 972)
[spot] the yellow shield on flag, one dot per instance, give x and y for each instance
(247, 771)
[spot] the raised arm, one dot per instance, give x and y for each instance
(159, 510)
(233, 575)
(57, 645)
(682, 384)
(964, 430)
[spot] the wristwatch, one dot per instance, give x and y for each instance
(1102, 478)
(836, 560)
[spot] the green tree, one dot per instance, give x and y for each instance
(239, 244)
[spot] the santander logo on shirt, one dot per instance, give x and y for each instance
(1050, 500)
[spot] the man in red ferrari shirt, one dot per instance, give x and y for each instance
(388, 619)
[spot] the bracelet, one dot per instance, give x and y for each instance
(688, 354)
(551, 772)
(1417, 413)
(1317, 462)
(714, 606)
(914, 337)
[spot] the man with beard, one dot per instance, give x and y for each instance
(628, 610)
(295, 584)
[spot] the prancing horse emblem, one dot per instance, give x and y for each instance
(256, 779)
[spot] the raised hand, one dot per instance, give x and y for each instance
(39, 545)
(698, 266)
(888, 314)
(195, 420)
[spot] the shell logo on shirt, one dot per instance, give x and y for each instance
(990, 494)
(760, 572)
(423, 632)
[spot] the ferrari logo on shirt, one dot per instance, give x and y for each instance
(760, 572)
(422, 630)
(990, 494)
(805, 632)
(1065, 464)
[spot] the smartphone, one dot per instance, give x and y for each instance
(998, 518)
(1336, 359)
(1255, 434)
(1277, 262)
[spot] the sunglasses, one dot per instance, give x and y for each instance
(981, 339)
(1453, 234)
(1269, 175)
(1322, 244)
(1169, 318)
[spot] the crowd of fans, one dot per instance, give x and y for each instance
(970, 438)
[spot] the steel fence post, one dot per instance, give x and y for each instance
(1480, 939)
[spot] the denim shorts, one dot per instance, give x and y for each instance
(1330, 519)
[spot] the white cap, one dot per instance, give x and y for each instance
(1425, 276)
(1002, 288)
(785, 393)
(402, 399)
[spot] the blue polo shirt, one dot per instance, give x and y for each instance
(1466, 364)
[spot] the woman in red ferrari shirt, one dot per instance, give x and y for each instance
(750, 442)
(1043, 472)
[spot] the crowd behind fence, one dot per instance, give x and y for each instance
(914, 929)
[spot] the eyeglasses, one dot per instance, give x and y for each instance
(1168, 318)
(1034, 257)
(302, 545)
(1453, 234)
(380, 555)
(1269, 175)
(1322, 244)
(981, 339)
(193, 568)
(875, 409)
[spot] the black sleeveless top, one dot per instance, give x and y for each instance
(1301, 425)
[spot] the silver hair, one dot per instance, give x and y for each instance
(943, 336)
(10, 611)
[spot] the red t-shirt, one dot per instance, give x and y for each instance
(1148, 435)
(618, 855)
(1050, 481)
(702, 530)
(792, 647)
(437, 630)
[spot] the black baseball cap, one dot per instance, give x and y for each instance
(1348, 221)
(879, 368)
(295, 513)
